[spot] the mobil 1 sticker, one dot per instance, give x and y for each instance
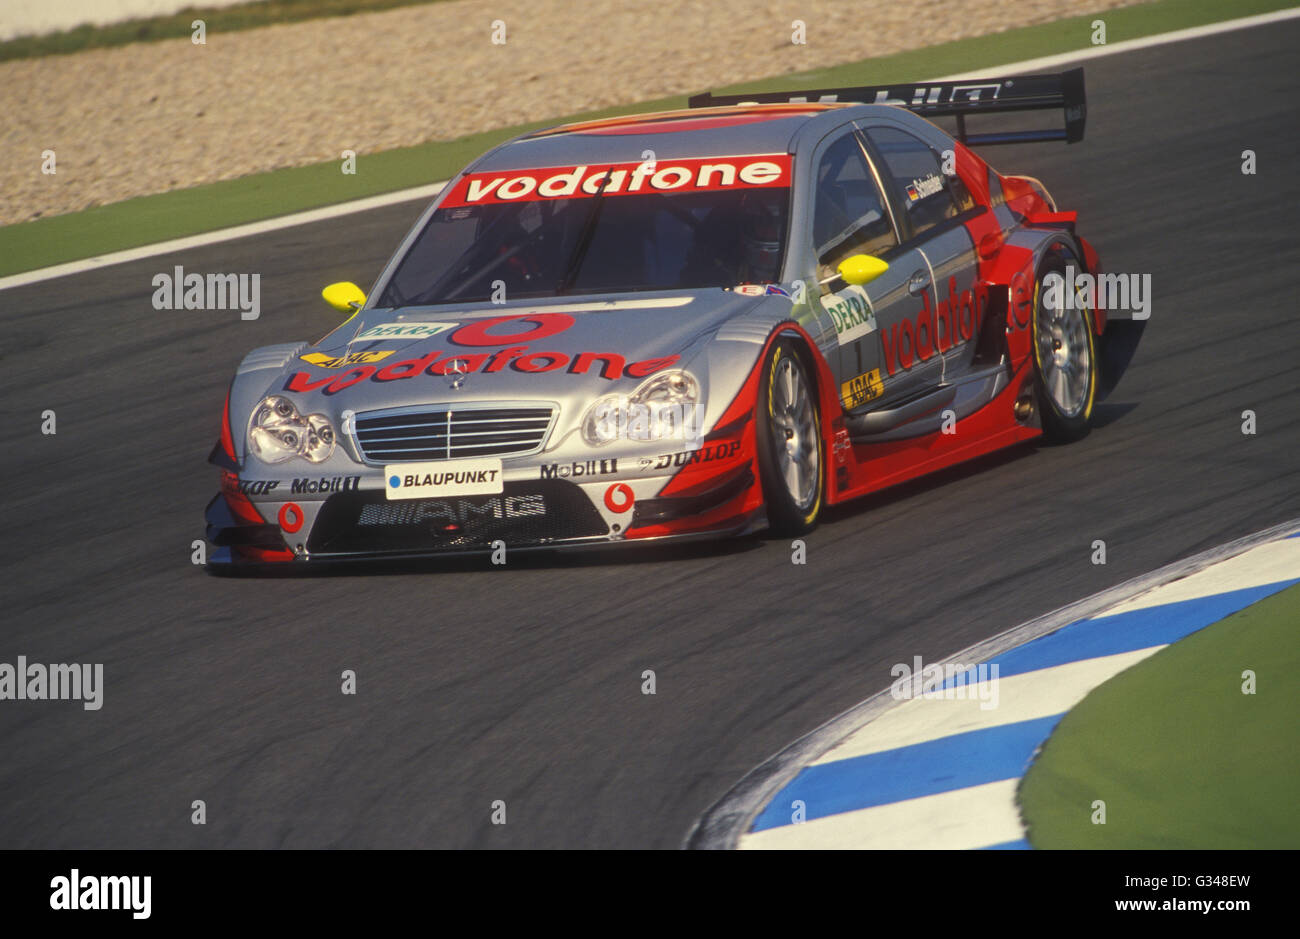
(444, 478)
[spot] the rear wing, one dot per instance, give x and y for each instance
(958, 99)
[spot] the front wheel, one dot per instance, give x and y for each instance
(791, 452)
(1065, 352)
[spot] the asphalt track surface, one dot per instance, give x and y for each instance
(523, 683)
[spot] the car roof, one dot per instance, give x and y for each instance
(681, 134)
(687, 120)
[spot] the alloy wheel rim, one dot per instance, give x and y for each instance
(794, 433)
(1064, 357)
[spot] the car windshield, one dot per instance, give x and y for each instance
(601, 242)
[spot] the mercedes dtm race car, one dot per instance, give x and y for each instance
(682, 324)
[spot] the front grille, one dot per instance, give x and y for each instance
(525, 514)
(451, 433)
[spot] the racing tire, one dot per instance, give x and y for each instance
(1066, 373)
(791, 451)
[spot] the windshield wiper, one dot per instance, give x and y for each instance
(584, 239)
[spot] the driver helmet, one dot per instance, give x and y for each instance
(762, 227)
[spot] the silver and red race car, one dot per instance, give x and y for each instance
(694, 323)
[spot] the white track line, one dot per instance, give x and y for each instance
(223, 234)
(1130, 45)
(428, 192)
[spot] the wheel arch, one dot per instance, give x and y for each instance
(824, 385)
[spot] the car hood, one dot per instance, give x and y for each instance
(562, 351)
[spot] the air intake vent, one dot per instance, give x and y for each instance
(452, 433)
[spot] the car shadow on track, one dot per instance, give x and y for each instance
(1106, 414)
(520, 559)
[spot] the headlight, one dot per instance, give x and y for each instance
(665, 407)
(277, 432)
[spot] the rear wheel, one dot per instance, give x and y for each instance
(791, 452)
(1065, 352)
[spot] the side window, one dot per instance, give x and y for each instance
(849, 216)
(929, 196)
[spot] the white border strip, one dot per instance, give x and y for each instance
(1132, 45)
(428, 192)
(222, 234)
(730, 817)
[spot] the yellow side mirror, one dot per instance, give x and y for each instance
(861, 269)
(345, 296)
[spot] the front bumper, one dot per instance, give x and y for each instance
(701, 497)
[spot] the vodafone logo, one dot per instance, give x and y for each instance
(935, 330)
(619, 497)
(493, 332)
(524, 327)
(290, 517)
(759, 171)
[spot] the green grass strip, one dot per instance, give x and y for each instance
(1181, 757)
(148, 219)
